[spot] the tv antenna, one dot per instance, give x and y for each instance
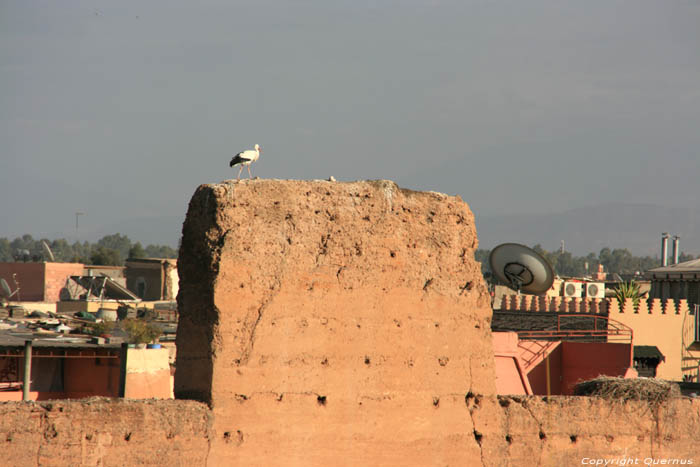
(521, 268)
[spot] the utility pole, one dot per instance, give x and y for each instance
(76, 220)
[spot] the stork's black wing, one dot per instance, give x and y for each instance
(238, 159)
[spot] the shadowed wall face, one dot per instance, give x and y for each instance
(330, 294)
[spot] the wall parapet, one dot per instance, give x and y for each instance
(604, 306)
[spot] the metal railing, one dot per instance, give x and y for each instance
(603, 329)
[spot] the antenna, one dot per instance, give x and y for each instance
(78, 213)
(522, 268)
(48, 251)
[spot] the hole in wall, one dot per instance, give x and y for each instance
(470, 395)
(321, 400)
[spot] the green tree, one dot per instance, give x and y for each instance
(5, 250)
(118, 242)
(160, 251)
(105, 257)
(61, 249)
(137, 251)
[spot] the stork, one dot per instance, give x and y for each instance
(246, 158)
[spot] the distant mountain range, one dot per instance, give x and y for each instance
(637, 227)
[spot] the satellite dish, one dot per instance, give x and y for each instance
(522, 268)
(48, 251)
(5, 289)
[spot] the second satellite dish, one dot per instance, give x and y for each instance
(522, 268)
(47, 251)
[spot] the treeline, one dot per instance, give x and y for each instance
(110, 250)
(617, 261)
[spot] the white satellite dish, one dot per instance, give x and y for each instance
(5, 290)
(522, 268)
(48, 251)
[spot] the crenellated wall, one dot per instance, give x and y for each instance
(668, 325)
(592, 305)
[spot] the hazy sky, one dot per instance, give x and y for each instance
(121, 109)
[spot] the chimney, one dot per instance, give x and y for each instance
(664, 249)
(676, 250)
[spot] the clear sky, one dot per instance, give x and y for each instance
(120, 109)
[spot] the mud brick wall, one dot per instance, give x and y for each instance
(316, 314)
(104, 432)
(339, 324)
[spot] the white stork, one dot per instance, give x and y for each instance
(246, 158)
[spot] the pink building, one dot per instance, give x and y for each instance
(38, 282)
(548, 353)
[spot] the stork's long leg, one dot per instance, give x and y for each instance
(249, 174)
(239, 174)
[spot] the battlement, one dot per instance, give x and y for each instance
(603, 306)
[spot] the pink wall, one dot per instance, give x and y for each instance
(538, 375)
(55, 277)
(39, 282)
(85, 377)
(572, 362)
(30, 277)
(586, 360)
(82, 377)
(510, 376)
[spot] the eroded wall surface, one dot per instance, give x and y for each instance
(104, 432)
(361, 299)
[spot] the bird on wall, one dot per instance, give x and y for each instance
(246, 158)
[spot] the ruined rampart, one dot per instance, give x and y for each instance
(341, 324)
(360, 299)
(104, 432)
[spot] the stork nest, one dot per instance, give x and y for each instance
(654, 391)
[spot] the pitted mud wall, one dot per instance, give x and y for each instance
(493, 431)
(104, 432)
(353, 302)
